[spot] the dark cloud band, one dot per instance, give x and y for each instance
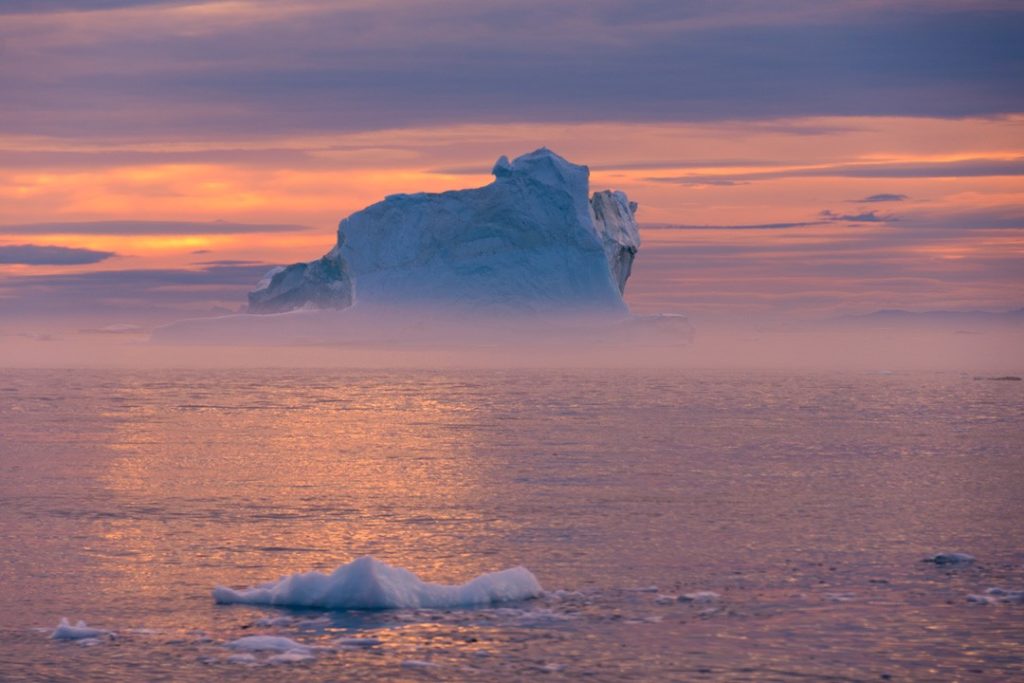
(146, 228)
(360, 66)
(36, 255)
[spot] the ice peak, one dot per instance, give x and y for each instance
(502, 167)
(544, 166)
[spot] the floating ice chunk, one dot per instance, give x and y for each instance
(245, 658)
(980, 599)
(352, 643)
(65, 631)
(950, 558)
(291, 657)
(268, 643)
(369, 584)
(700, 597)
(274, 621)
(663, 599)
(1004, 595)
(541, 617)
(417, 664)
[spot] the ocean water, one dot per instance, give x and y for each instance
(805, 501)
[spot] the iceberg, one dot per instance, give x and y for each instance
(950, 559)
(268, 643)
(369, 584)
(531, 241)
(80, 631)
(531, 259)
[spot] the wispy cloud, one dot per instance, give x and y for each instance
(143, 293)
(50, 255)
(753, 226)
(883, 197)
(862, 217)
(57, 6)
(146, 228)
(172, 71)
(964, 168)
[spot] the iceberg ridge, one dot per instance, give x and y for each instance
(369, 584)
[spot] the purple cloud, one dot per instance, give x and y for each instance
(358, 66)
(50, 255)
(884, 197)
(966, 168)
(862, 217)
(146, 228)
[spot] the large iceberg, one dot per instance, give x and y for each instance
(369, 584)
(532, 241)
(530, 260)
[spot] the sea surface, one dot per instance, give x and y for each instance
(806, 502)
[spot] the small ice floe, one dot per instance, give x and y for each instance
(291, 657)
(274, 621)
(369, 584)
(268, 643)
(643, 589)
(840, 597)
(65, 631)
(246, 658)
(540, 617)
(417, 664)
(88, 642)
(950, 558)
(700, 597)
(997, 595)
(356, 643)
(663, 599)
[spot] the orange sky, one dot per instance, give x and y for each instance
(315, 181)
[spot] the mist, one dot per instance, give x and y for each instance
(989, 346)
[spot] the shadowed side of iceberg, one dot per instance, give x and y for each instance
(369, 584)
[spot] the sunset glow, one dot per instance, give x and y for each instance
(813, 214)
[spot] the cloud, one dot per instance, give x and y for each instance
(862, 217)
(305, 66)
(146, 228)
(55, 6)
(144, 294)
(232, 262)
(884, 197)
(1004, 217)
(755, 226)
(36, 255)
(965, 168)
